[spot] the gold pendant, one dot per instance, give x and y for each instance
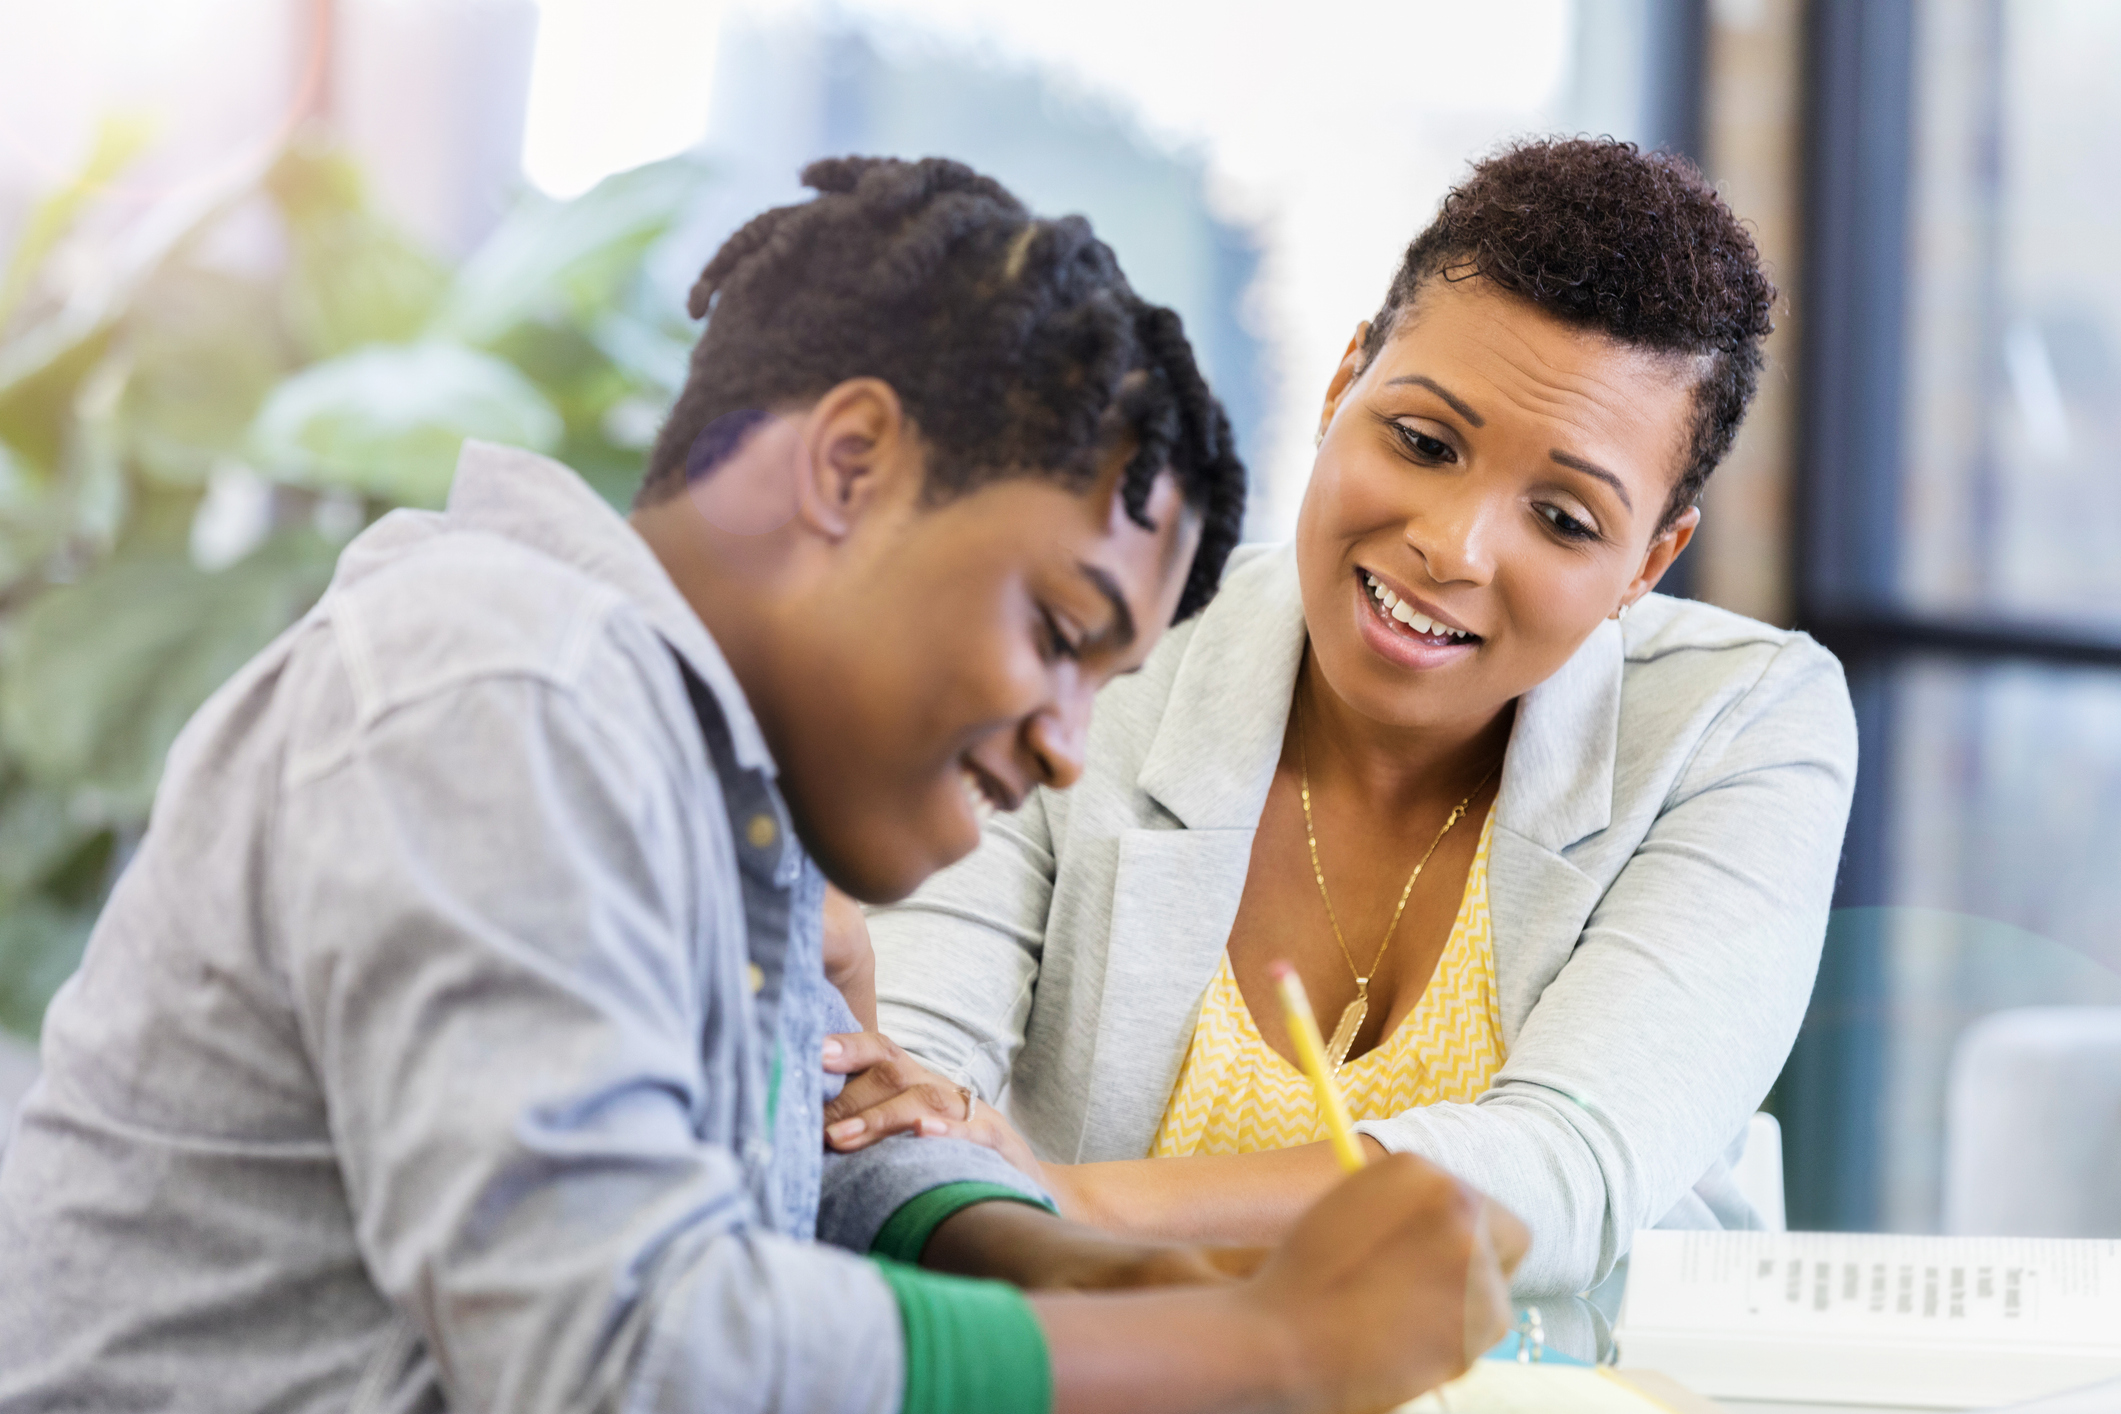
(1344, 1034)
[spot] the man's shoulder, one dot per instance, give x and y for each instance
(427, 611)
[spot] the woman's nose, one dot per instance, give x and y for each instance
(1451, 537)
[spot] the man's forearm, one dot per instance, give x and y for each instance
(1030, 1248)
(1168, 1352)
(1382, 1290)
(1251, 1199)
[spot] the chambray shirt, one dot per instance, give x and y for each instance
(452, 1039)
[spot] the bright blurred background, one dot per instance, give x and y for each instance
(264, 263)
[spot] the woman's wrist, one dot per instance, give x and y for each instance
(1112, 1197)
(1241, 1199)
(1065, 1183)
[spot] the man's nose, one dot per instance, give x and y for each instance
(1056, 736)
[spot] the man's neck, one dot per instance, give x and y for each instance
(731, 591)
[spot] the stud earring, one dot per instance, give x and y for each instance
(1622, 612)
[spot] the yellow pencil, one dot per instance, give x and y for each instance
(1311, 1053)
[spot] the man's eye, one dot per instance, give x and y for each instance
(1566, 525)
(1058, 644)
(1422, 446)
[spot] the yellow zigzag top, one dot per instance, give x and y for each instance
(1236, 1095)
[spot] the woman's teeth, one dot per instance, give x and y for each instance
(982, 806)
(1397, 608)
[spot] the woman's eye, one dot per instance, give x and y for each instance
(1566, 525)
(1423, 446)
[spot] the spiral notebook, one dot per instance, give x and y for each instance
(1877, 1319)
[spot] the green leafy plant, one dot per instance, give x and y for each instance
(149, 382)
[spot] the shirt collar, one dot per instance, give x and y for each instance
(537, 502)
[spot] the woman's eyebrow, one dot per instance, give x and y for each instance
(1457, 404)
(1593, 469)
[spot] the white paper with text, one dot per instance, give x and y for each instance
(1918, 1322)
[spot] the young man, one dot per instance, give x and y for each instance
(455, 1039)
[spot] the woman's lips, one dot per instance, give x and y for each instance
(1399, 643)
(1424, 618)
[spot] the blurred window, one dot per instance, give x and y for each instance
(1260, 170)
(2013, 411)
(2005, 803)
(1962, 554)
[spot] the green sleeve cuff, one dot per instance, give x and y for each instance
(904, 1235)
(972, 1347)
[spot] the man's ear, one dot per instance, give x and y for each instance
(1343, 378)
(855, 446)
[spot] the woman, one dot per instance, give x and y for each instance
(1555, 854)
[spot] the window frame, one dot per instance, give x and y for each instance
(1860, 93)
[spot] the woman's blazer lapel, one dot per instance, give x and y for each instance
(1203, 782)
(1557, 789)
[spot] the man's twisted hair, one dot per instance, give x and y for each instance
(1015, 344)
(1634, 245)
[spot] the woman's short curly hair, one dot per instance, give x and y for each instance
(1635, 245)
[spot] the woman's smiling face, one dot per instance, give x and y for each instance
(1489, 486)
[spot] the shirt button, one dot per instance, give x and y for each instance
(762, 832)
(758, 978)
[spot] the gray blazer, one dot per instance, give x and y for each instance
(1665, 842)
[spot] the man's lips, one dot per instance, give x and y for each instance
(987, 791)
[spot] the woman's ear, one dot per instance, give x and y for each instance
(1663, 550)
(856, 446)
(1343, 378)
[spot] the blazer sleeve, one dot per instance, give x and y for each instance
(957, 964)
(1678, 1006)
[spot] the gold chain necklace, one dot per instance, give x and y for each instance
(1358, 1011)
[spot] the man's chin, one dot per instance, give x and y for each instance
(887, 874)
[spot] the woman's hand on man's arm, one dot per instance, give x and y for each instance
(889, 1092)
